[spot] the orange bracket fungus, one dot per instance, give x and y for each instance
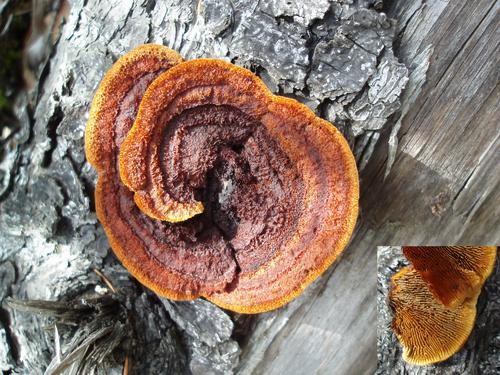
(209, 185)
(434, 299)
(452, 273)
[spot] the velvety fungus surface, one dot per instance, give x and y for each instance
(209, 185)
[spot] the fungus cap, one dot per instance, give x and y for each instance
(211, 186)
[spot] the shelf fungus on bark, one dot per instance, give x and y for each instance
(211, 186)
(434, 313)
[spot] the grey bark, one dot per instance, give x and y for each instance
(336, 56)
(480, 354)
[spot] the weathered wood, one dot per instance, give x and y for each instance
(445, 181)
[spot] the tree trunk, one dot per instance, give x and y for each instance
(338, 57)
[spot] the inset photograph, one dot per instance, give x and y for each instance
(438, 310)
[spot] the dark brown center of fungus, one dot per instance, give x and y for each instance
(250, 190)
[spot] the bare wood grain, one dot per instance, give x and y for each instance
(446, 171)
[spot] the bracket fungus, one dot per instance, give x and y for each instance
(434, 299)
(452, 273)
(209, 185)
